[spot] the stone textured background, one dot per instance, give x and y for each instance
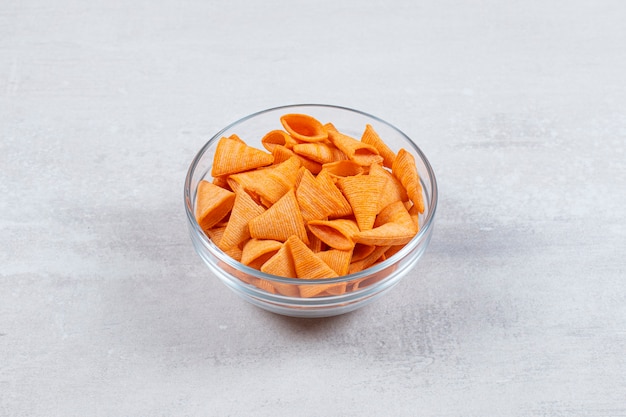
(518, 307)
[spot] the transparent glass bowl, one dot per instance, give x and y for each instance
(278, 294)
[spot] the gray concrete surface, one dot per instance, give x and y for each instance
(518, 307)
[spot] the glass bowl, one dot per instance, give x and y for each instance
(280, 295)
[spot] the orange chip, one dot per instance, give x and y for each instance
(281, 264)
(321, 152)
(213, 203)
(393, 250)
(392, 190)
(309, 199)
(236, 138)
(238, 188)
(405, 170)
(371, 138)
(338, 260)
(361, 251)
(304, 127)
(363, 193)
(232, 156)
(329, 126)
(271, 183)
(315, 244)
(299, 175)
(335, 233)
(340, 169)
(222, 182)
(282, 220)
(234, 252)
(308, 266)
(223, 222)
(318, 199)
(338, 206)
(393, 226)
(281, 153)
(234, 186)
(244, 210)
(369, 260)
(277, 138)
(387, 234)
(256, 252)
(215, 233)
(395, 213)
(355, 150)
(314, 167)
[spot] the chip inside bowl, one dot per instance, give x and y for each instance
(314, 203)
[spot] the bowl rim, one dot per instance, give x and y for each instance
(189, 197)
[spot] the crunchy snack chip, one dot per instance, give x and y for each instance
(320, 204)
(213, 203)
(232, 156)
(304, 127)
